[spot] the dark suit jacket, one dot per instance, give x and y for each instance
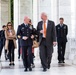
(62, 33)
(25, 31)
(50, 35)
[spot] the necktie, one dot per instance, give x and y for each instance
(44, 29)
(61, 25)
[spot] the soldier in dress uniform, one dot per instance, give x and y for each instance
(26, 36)
(62, 31)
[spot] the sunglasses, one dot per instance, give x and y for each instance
(9, 25)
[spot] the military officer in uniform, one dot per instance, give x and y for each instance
(26, 35)
(62, 31)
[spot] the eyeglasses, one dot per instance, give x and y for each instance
(9, 25)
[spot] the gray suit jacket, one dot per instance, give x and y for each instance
(50, 35)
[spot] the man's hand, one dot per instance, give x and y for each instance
(19, 36)
(25, 38)
(41, 31)
(32, 36)
(54, 43)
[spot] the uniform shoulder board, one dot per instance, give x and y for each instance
(65, 27)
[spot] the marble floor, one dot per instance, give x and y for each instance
(56, 69)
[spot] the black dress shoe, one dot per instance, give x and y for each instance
(48, 66)
(13, 64)
(30, 69)
(18, 57)
(63, 62)
(60, 62)
(10, 64)
(6, 59)
(25, 69)
(44, 69)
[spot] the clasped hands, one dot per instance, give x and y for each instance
(25, 37)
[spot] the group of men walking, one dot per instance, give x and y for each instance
(49, 36)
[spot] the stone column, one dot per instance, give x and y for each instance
(44, 6)
(0, 14)
(16, 14)
(35, 13)
(5, 11)
(73, 32)
(22, 8)
(65, 12)
(49, 7)
(25, 9)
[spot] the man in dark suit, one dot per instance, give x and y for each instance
(26, 35)
(47, 38)
(62, 31)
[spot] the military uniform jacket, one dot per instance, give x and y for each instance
(62, 32)
(24, 30)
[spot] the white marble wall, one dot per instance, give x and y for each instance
(22, 8)
(44, 6)
(35, 13)
(25, 9)
(48, 6)
(65, 12)
(5, 14)
(73, 31)
(0, 14)
(16, 14)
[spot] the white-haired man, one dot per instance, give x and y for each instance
(47, 38)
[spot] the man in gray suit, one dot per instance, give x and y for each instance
(47, 38)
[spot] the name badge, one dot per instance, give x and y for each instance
(22, 28)
(58, 27)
